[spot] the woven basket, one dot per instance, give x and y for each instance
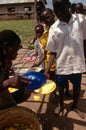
(19, 115)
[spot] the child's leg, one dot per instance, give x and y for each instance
(76, 93)
(67, 88)
(67, 93)
(61, 82)
(60, 108)
(76, 80)
(54, 97)
(61, 97)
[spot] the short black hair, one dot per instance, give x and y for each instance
(60, 4)
(47, 10)
(40, 26)
(40, 6)
(79, 7)
(55, 1)
(9, 38)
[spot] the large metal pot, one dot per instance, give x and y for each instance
(18, 115)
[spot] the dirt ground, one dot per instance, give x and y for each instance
(43, 107)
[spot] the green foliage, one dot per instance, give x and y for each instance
(24, 28)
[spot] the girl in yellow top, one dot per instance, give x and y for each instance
(49, 16)
(48, 19)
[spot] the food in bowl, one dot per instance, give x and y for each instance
(18, 118)
(17, 126)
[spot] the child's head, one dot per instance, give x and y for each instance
(39, 30)
(73, 8)
(61, 9)
(79, 8)
(9, 44)
(39, 8)
(48, 17)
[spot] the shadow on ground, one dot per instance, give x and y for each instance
(50, 121)
(21, 95)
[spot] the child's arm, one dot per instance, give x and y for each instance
(84, 42)
(50, 62)
(37, 63)
(40, 56)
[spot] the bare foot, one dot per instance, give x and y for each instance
(81, 114)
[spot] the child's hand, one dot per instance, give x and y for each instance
(46, 73)
(29, 59)
(35, 65)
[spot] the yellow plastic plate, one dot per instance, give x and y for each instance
(47, 88)
(11, 90)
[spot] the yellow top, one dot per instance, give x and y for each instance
(43, 41)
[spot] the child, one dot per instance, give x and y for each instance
(47, 20)
(72, 8)
(10, 43)
(65, 41)
(39, 8)
(39, 52)
(79, 8)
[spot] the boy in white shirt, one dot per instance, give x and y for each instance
(65, 42)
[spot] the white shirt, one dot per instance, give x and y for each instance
(67, 41)
(40, 52)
